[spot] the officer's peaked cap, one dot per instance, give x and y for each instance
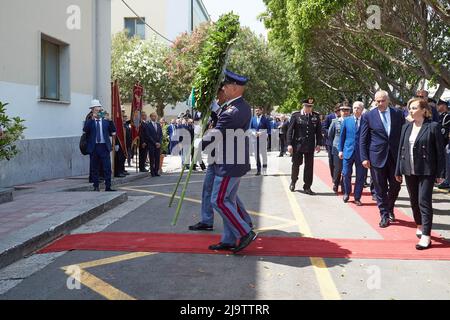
(231, 77)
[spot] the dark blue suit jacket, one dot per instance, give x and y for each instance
(237, 116)
(90, 128)
(375, 145)
(152, 135)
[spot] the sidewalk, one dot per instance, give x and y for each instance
(43, 211)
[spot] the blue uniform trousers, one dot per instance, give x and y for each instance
(361, 173)
(236, 221)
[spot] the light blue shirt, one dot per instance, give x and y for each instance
(386, 122)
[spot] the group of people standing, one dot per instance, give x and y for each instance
(391, 144)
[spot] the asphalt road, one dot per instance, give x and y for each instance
(276, 211)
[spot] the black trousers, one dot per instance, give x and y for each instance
(337, 174)
(308, 172)
(330, 160)
(119, 162)
(283, 146)
(420, 189)
(154, 155)
(386, 187)
(143, 154)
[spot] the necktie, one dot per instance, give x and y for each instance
(385, 123)
(154, 126)
(99, 138)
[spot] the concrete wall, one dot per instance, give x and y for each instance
(50, 149)
(44, 159)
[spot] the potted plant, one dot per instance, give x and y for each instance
(11, 130)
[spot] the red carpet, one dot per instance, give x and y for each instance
(264, 246)
(404, 228)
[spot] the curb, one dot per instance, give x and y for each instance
(114, 182)
(48, 230)
(6, 195)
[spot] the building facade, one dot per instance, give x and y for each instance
(168, 17)
(57, 59)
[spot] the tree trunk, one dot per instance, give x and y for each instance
(160, 109)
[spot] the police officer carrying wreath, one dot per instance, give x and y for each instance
(304, 136)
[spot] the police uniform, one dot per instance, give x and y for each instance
(304, 134)
(229, 170)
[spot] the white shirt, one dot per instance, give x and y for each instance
(412, 140)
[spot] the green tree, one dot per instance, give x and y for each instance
(341, 57)
(11, 130)
(145, 62)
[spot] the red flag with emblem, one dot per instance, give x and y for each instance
(136, 110)
(117, 117)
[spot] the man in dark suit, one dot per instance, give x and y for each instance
(379, 141)
(155, 135)
(128, 139)
(143, 143)
(98, 131)
(283, 127)
(260, 127)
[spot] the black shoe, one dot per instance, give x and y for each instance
(366, 185)
(157, 175)
(126, 173)
(346, 198)
(384, 222)
(258, 173)
(97, 189)
(245, 241)
(280, 156)
(292, 187)
(419, 247)
(358, 203)
(222, 246)
(335, 189)
(201, 227)
(143, 170)
(110, 190)
(391, 217)
(203, 167)
(309, 191)
(120, 175)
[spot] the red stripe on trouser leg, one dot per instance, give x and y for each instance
(225, 210)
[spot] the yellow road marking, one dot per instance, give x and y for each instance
(98, 285)
(101, 287)
(124, 257)
(326, 284)
(253, 213)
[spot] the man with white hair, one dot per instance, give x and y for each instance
(379, 143)
(349, 152)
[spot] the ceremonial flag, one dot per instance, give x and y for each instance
(136, 110)
(117, 117)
